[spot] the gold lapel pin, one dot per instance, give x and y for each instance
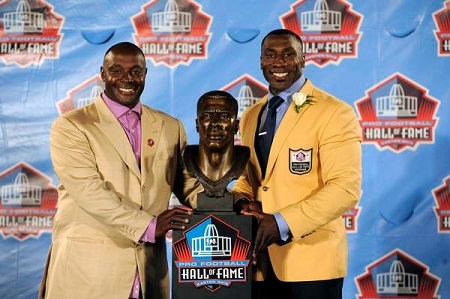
(150, 142)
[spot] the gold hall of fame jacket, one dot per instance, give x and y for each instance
(106, 202)
(313, 176)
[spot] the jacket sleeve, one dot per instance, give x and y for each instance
(242, 187)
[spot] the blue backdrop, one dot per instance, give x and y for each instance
(389, 59)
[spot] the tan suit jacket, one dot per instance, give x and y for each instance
(311, 192)
(106, 203)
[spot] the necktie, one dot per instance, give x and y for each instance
(265, 137)
(131, 125)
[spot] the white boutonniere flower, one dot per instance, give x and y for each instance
(300, 100)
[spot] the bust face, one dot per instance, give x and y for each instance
(217, 123)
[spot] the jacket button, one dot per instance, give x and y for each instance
(265, 188)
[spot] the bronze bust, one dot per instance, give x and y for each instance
(216, 161)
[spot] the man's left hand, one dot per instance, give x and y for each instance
(267, 234)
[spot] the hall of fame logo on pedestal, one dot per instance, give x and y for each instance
(211, 255)
(329, 29)
(441, 196)
(442, 20)
(395, 276)
(29, 32)
(397, 114)
(172, 32)
(28, 203)
(247, 91)
(81, 95)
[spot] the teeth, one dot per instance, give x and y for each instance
(127, 90)
(279, 75)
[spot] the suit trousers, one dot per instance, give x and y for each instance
(272, 287)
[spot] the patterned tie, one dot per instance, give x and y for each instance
(265, 137)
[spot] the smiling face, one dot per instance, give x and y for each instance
(282, 61)
(216, 123)
(123, 72)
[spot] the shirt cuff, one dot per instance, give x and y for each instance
(282, 226)
(149, 234)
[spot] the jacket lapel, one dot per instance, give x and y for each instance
(113, 131)
(151, 136)
(289, 121)
(252, 126)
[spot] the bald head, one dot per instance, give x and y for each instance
(124, 47)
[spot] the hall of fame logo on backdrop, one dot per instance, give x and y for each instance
(172, 32)
(211, 255)
(29, 32)
(442, 20)
(397, 114)
(28, 202)
(247, 91)
(351, 219)
(397, 276)
(329, 29)
(81, 95)
(441, 196)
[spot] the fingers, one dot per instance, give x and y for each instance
(256, 247)
(173, 219)
(178, 223)
(258, 215)
(266, 235)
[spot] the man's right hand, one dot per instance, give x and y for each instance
(172, 219)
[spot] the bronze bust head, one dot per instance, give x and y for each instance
(216, 161)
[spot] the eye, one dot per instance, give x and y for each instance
(224, 116)
(206, 115)
(289, 55)
(115, 71)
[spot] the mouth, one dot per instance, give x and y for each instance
(127, 90)
(280, 76)
(214, 137)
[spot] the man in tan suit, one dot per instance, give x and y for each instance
(118, 162)
(300, 185)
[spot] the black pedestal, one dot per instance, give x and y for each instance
(212, 257)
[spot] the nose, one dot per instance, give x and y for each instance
(279, 60)
(214, 120)
(129, 77)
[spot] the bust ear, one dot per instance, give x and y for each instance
(236, 126)
(196, 125)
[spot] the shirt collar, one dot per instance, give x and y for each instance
(286, 94)
(117, 109)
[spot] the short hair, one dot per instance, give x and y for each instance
(219, 94)
(124, 45)
(277, 32)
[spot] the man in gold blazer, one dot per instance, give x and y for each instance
(118, 162)
(311, 176)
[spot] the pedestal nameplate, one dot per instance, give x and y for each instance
(212, 257)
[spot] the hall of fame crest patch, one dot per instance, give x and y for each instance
(300, 161)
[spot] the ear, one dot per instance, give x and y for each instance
(102, 73)
(196, 125)
(302, 62)
(236, 126)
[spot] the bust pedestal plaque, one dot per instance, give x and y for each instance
(211, 258)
